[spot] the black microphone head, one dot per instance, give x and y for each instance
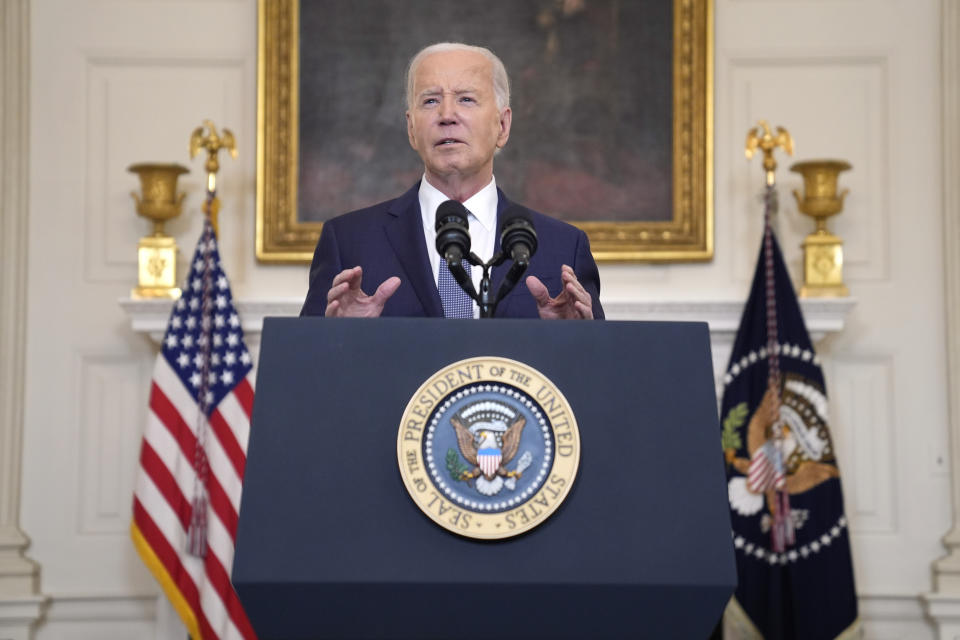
(451, 211)
(453, 229)
(518, 239)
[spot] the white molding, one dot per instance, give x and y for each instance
(944, 604)
(102, 607)
(20, 605)
(18, 615)
(823, 315)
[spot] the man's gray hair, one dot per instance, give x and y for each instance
(501, 83)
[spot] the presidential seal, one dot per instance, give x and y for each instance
(488, 448)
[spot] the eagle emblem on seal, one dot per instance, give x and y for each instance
(488, 435)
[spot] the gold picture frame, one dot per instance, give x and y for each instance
(283, 238)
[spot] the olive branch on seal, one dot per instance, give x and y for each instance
(455, 466)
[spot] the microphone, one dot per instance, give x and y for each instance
(518, 239)
(453, 231)
(453, 241)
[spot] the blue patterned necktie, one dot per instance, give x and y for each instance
(456, 302)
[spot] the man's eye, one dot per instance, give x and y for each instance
(466, 99)
(430, 101)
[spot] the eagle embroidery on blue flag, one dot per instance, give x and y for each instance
(790, 534)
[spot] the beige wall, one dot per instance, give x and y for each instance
(117, 82)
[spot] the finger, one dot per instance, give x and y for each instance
(584, 310)
(353, 276)
(577, 291)
(337, 291)
(386, 289)
(538, 290)
(333, 309)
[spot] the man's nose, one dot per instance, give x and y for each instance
(448, 110)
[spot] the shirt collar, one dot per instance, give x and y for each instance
(482, 205)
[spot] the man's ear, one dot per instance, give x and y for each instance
(410, 130)
(506, 118)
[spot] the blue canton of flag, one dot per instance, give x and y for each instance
(185, 343)
(795, 582)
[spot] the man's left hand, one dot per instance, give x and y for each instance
(573, 302)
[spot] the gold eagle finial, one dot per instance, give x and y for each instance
(762, 138)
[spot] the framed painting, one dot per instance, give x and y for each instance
(612, 115)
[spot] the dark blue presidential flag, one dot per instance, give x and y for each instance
(790, 534)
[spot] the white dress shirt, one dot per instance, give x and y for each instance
(482, 210)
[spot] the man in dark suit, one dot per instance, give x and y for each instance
(458, 117)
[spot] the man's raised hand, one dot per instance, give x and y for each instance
(347, 300)
(573, 302)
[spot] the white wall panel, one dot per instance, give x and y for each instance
(862, 395)
(113, 394)
(835, 107)
(120, 90)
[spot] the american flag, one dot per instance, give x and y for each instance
(194, 452)
(766, 469)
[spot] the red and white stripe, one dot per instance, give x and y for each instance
(165, 484)
(763, 474)
(489, 463)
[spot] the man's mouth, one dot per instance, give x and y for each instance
(448, 141)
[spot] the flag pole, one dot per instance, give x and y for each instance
(212, 142)
(762, 138)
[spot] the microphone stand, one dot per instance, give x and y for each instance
(486, 299)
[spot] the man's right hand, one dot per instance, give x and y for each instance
(347, 300)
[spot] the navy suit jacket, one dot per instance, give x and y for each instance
(387, 240)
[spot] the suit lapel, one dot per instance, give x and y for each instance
(404, 229)
(497, 274)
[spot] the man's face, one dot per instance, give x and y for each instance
(454, 123)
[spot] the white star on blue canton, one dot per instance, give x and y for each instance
(227, 377)
(187, 341)
(234, 320)
(181, 304)
(195, 379)
(245, 358)
(229, 358)
(198, 264)
(221, 302)
(176, 322)
(217, 340)
(183, 360)
(222, 283)
(211, 378)
(209, 397)
(171, 340)
(191, 322)
(196, 284)
(219, 321)
(198, 360)
(232, 339)
(215, 359)
(194, 304)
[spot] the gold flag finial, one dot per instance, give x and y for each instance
(766, 142)
(213, 143)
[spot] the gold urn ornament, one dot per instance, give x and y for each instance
(822, 251)
(157, 253)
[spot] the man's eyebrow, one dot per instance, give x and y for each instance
(436, 91)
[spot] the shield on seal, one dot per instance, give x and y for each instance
(489, 461)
